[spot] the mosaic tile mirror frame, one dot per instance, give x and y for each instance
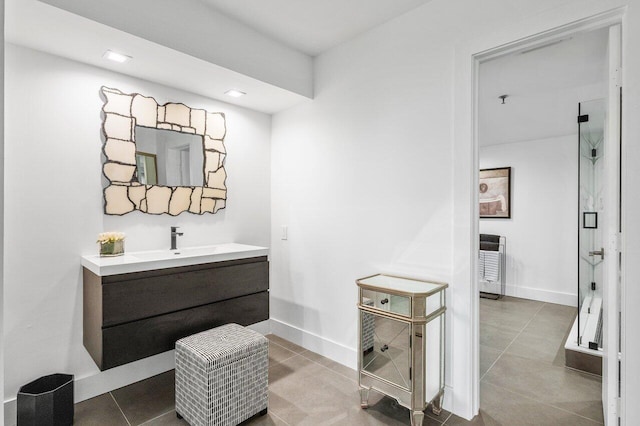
(126, 191)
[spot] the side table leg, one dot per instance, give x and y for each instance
(436, 405)
(416, 418)
(364, 398)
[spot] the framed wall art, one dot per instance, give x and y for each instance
(495, 193)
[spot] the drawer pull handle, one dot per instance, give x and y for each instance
(384, 301)
(384, 348)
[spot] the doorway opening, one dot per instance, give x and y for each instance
(530, 113)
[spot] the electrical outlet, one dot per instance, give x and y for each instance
(285, 231)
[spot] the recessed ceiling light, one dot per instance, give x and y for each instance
(115, 56)
(234, 93)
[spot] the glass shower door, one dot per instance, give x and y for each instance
(591, 133)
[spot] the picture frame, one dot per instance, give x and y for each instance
(495, 193)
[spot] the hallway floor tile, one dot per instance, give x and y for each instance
(523, 382)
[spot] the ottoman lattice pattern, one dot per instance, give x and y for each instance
(221, 376)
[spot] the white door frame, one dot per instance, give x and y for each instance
(466, 235)
(611, 326)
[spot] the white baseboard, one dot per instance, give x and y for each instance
(90, 386)
(338, 352)
(561, 298)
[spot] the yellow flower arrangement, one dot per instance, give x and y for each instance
(111, 243)
(110, 237)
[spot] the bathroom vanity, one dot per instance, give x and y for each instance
(139, 304)
(401, 343)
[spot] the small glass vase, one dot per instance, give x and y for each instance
(111, 248)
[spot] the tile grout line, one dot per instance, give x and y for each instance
(584, 373)
(122, 412)
(301, 354)
(155, 418)
(526, 396)
(571, 412)
(287, 359)
(270, 412)
(324, 366)
(355, 381)
(513, 340)
(445, 420)
(316, 362)
(544, 403)
(295, 354)
(283, 347)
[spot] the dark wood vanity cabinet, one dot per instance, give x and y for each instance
(131, 316)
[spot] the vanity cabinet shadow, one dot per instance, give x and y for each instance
(132, 316)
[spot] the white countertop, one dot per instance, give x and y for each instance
(161, 259)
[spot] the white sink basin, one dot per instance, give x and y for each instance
(160, 259)
(183, 252)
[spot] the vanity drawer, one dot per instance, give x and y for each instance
(139, 339)
(135, 296)
(387, 302)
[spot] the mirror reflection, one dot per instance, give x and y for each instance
(147, 168)
(168, 158)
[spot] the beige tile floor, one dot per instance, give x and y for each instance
(523, 382)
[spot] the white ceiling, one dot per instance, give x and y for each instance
(543, 86)
(313, 26)
(305, 25)
(49, 29)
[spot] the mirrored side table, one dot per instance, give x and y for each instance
(401, 341)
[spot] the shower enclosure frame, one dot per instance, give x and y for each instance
(591, 253)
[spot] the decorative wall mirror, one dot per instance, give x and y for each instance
(161, 158)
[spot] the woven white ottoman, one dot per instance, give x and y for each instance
(221, 376)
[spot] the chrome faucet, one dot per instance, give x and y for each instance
(174, 234)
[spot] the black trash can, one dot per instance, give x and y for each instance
(47, 401)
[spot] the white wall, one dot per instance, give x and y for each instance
(361, 177)
(53, 209)
(542, 234)
(376, 174)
